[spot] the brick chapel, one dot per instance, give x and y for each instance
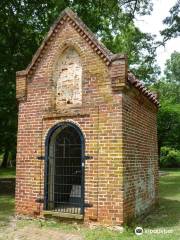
(87, 131)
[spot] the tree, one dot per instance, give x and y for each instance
(23, 24)
(169, 113)
(172, 71)
(19, 26)
(173, 23)
(112, 21)
(140, 48)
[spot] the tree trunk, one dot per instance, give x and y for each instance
(159, 153)
(5, 159)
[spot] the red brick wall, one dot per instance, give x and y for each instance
(99, 117)
(140, 154)
(120, 133)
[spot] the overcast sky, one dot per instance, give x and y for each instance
(153, 24)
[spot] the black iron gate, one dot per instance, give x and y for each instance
(65, 169)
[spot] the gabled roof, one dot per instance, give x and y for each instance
(84, 31)
(140, 86)
(106, 55)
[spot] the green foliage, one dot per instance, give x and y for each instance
(139, 47)
(134, 6)
(168, 115)
(173, 23)
(23, 25)
(168, 125)
(172, 70)
(169, 112)
(19, 26)
(169, 157)
(112, 21)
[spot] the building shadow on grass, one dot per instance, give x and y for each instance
(167, 214)
(7, 192)
(6, 208)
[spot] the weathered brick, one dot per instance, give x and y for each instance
(73, 78)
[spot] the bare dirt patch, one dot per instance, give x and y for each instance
(33, 232)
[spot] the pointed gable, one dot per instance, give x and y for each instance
(69, 16)
(117, 63)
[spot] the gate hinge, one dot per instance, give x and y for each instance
(39, 200)
(88, 157)
(88, 205)
(41, 157)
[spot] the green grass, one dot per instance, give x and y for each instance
(166, 217)
(8, 172)
(6, 201)
(6, 209)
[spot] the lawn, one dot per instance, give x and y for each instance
(165, 218)
(6, 208)
(7, 172)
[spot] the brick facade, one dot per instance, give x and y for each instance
(140, 158)
(74, 78)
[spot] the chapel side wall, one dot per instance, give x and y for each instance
(100, 122)
(140, 155)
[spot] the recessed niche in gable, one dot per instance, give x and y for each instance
(67, 77)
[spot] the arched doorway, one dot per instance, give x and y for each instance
(64, 171)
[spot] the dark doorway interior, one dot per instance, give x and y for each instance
(65, 186)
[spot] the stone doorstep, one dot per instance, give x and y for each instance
(63, 215)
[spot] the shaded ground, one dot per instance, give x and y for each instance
(6, 209)
(7, 172)
(165, 219)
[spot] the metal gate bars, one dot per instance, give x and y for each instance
(64, 172)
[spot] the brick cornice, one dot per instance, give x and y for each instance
(68, 16)
(107, 56)
(140, 86)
